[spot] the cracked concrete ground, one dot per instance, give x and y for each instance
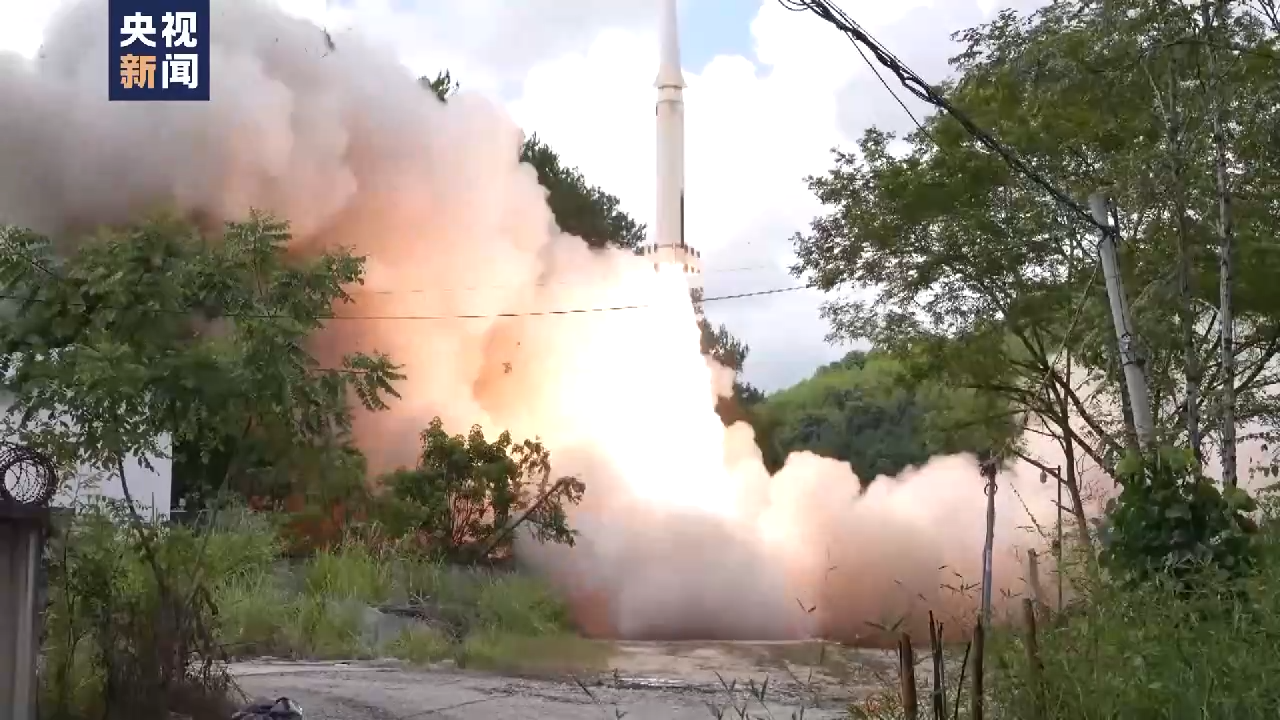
(649, 681)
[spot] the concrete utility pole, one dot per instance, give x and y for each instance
(1135, 379)
(989, 469)
(1216, 17)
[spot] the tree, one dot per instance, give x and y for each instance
(580, 208)
(467, 495)
(443, 85)
(980, 273)
(156, 330)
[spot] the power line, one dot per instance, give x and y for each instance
(916, 85)
(549, 283)
(375, 318)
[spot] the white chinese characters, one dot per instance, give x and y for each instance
(179, 29)
(176, 62)
(138, 28)
(181, 69)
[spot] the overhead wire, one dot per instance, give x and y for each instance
(547, 283)
(460, 316)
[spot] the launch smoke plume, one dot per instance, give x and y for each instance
(684, 534)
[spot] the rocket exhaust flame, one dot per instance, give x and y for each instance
(684, 533)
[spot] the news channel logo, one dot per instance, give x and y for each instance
(158, 50)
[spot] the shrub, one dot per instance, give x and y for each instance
(466, 494)
(1171, 520)
(123, 640)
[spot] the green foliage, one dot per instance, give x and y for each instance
(443, 85)
(1167, 648)
(868, 411)
(978, 270)
(104, 651)
(720, 345)
(320, 610)
(156, 330)
(150, 331)
(466, 494)
(580, 208)
(1171, 520)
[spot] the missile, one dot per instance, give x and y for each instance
(668, 250)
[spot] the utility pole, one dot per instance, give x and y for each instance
(1135, 379)
(1226, 237)
(989, 470)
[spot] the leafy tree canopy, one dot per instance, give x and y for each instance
(979, 274)
(155, 330)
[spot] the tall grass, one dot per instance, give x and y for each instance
(102, 595)
(1165, 649)
(1202, 645)
(126, 630)
(326, 607)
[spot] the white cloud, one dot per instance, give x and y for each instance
(490, 44)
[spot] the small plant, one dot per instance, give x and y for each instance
(1171, 520)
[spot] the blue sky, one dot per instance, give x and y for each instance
(716, 27)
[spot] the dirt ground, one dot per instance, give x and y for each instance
(646, 681)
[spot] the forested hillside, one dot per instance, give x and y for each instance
(866, 409)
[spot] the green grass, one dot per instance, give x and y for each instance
(422, 646)
(1153, 652)
(480, 619)
(558, 654)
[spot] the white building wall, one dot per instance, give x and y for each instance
(152, 489)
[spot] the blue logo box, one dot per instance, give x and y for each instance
(158, 50)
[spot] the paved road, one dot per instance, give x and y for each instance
(357, 692)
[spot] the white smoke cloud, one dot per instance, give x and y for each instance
(684, 531)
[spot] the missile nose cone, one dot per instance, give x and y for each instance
(669, 74)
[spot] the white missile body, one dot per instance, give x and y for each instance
(669, 250)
